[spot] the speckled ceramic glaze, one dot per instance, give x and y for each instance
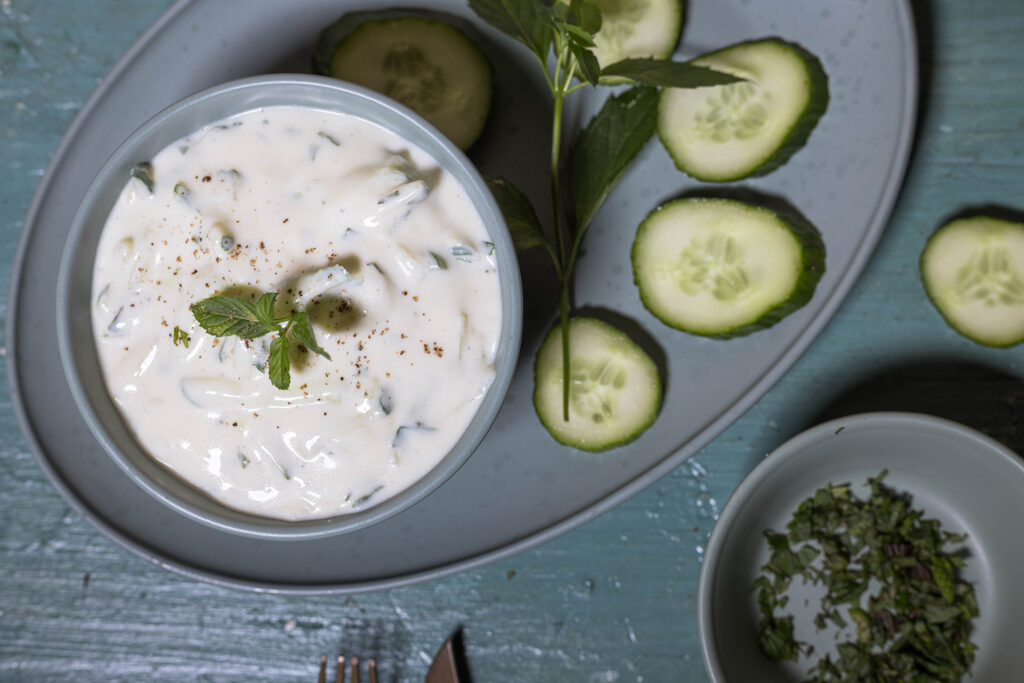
(967, 481)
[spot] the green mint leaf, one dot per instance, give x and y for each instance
(576, 35)
(304, 333)
(606, 147)
(528, 21)
(224, 316)
(278, 365)
(942, 572)
(586, 61)
(776, 639)
(519, 214)
(560, 11)
(579, 18)
(264, 309)
(668, 74)
(586, 15)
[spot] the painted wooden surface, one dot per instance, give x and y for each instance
(612, 601)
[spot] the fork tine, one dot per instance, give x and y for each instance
(339, 672)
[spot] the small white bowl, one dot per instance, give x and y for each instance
(74, 325)
(967, 481)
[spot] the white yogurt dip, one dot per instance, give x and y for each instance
(352, 224)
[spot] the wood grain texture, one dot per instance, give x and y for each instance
(610, 602)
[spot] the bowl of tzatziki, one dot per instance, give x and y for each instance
(289, 307)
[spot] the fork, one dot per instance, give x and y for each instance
(339, 675)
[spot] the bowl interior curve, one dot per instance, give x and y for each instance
(968, 482)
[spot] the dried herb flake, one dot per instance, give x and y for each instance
(915, 626)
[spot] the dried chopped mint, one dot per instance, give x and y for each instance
(887, 570)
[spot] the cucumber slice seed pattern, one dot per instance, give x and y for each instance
(614, 386)
(728, 132)
(412, 79)
(430, 66)
(990, 278)
(724, 268)
(737, 111)
(973, 272)
(595, 387)
(715, 265)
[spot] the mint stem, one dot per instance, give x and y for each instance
(556, 185)
(561, 86)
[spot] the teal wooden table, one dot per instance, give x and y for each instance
(612, 601)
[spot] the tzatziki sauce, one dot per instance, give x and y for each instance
(359, 228)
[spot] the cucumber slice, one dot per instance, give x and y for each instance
(428, 65)
(615, 390)
(750, 128)
(635, 28)
(723, 268)
(973, 271)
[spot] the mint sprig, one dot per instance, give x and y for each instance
(608, 145)
(232, 316)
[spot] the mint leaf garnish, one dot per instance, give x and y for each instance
(232, 316)
(264, 309)
(278, 365)
(304, 334)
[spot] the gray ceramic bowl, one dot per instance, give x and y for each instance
(74, 326)
(967, 481)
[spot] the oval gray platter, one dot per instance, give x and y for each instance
(520, 488)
